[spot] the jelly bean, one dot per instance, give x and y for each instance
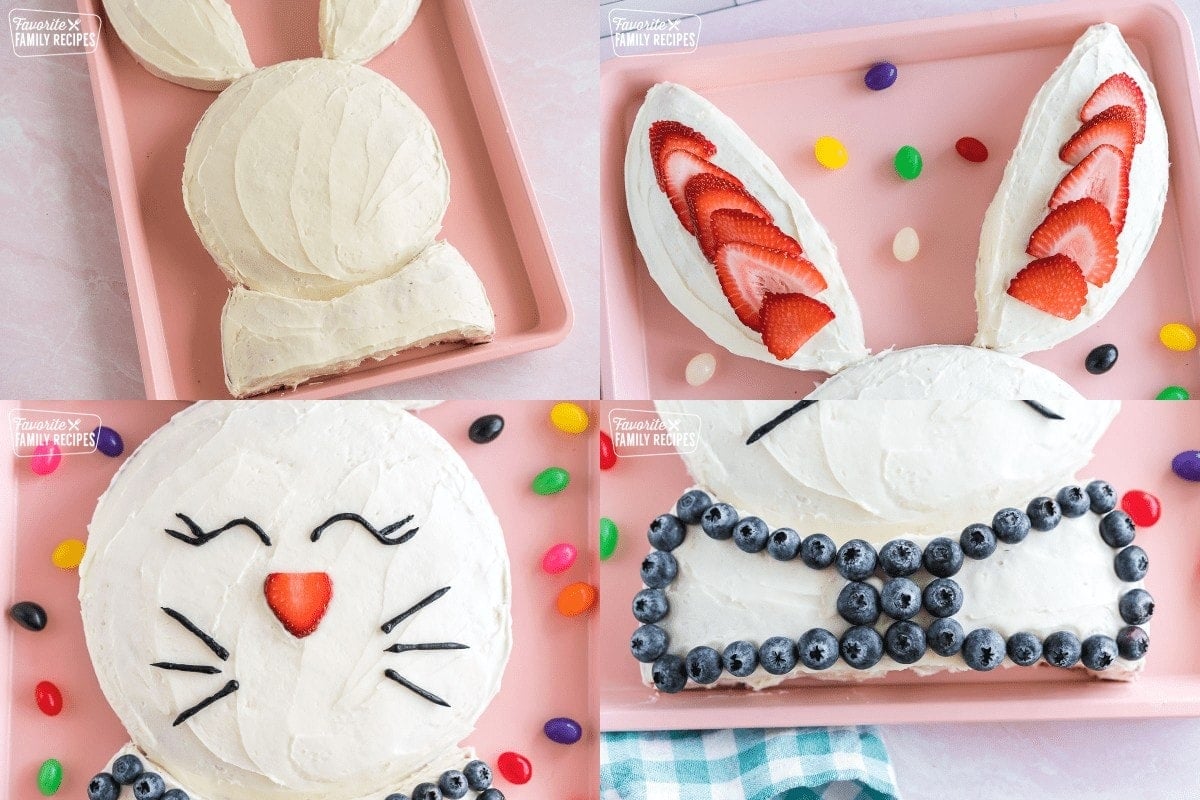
(1177, 336)
(514, 767)
(700, 369)
(1101, 359)
(575, 599)
(1173, 393)
(48, 698)
(563, 730)
(972, 149)
(608, 456)
(50, 776)
(46, 458)
(109, 441)
(830, 153)
(1142, 507)
(559, 558)
(485, 429)
(608, 538)
(1187, 465)
(68, 554)
(908, 162)
(29, 615)
(880, 76)
(551, 480)
(569, 418)
(906, 244)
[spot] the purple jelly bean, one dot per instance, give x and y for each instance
(109, 441)
(563, 730)
(880, 76)
(1187, 465)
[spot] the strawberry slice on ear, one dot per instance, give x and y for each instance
(667, 135)
(1118, 90)
(1102, 176)
(1054, 285)
(790, 320)
(1111, 126)
(733, 225)
(1080, 230)
(679, 167)
(708, 193)
(749, 272)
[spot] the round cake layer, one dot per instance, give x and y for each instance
(359, 30)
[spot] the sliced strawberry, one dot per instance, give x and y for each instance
(749, 272)
(1054, 285)
(790, 320)
(667, 135)
(733, 225)
(1111, 126)
(1118, 90)
(681, 166)
(707, 193)
(299, 599)
(1080, 230)
(1103, 176)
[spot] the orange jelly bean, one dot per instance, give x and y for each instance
(576, 599)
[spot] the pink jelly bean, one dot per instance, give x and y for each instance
(46, 458)
(559, 558)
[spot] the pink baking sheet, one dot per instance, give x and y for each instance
(1136, 453)
(969, 75)
(547, 675)
(176, 290)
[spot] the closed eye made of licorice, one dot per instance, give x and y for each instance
(391, 534)
(197, 536)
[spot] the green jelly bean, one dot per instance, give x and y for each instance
(551, 480)
(608, 538)
(50, 776)
(1173, 393)
(908, 162)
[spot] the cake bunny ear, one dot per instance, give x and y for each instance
(359, 30)
(195, 43)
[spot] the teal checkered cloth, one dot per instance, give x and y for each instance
(748, 764)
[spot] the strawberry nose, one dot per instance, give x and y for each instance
(299, 600)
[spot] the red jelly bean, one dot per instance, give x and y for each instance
(971, 149)
(515, 767)
(608, 456)
(49, 698)
(1142, 507)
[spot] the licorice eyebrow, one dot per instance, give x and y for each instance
(391, 624)
(382, 534)
(1041, 409)
(199, 536)
(227, 689)
(210, 642)
(779, 419)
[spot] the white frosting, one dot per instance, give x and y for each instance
(676, 263)
(314, 717)
(197, 43)
(1029, 179)
(310, 177)
(270, 341)
(358, 30)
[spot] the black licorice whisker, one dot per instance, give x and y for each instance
(404, 648)
(200, 668)
(782, 417)
(390, 625)
(221, 652)
(1041, 409)
(381, 534)
(228, 689)
(412, 687)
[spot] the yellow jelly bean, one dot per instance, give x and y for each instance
(68, 554)
(569, 418)
(1177, 336)
(830, 153)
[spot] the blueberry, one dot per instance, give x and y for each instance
(817, 550)
(1102, 496)
(103, 787)
(942, 597)
(1131, 564)
(858, 603)
(818, 649)
(126, 769)
(650, 605)
(1137, 606)
(983, 649)
(1117, 529)
(659, 569)
(479, 775)
(452, 784)
(1011, 525)
(900, 598)
(740, 659)
(784, 544)
(669, 674)
(1132, 643)
(1044, 514)
(692, 505)
(862, 647)
(1099, 652)
(718, 521)
(900, 558)
(856, 560)
(397, 796)
(977, 541)
(943, 557)
(1061, 649)
(778, 655)
(750, 535)
(426, 791)
(180, 794)
(491, 794)
(1024, 649)
(945, 637)
(904, 642)
(149, 786)
(666, 532)
(648, 643)
(1073, 501)
(703, 665)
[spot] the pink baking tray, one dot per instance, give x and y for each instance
(1136, 453)
(176, 290)
(969, 75)
(547, 676)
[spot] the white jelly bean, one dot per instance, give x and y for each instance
(906, 244)
(701, 368)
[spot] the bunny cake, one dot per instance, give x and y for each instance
(319, 188)
(305, 601)
(849, 540)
